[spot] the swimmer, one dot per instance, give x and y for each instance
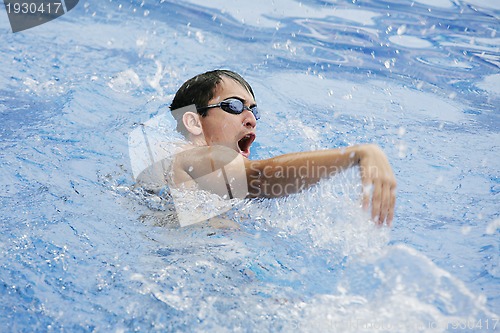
(217, 113)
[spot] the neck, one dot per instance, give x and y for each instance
(198, 140)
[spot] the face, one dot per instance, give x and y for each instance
(236, 131)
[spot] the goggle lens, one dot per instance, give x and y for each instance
(235, 106)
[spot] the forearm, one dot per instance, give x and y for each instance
(291, 173)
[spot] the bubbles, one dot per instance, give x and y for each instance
(48, 88)
(492, 227)
(200, 37)
(140, 42)
(330, 213)
(401, 30)
(154, 82)
(390, 63)
(490, 83)
(401, 131)
(410, 41)
(125, 82)
(444, 63)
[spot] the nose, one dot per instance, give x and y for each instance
(249, 121)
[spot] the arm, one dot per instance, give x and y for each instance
(291, 173)
(222, 171)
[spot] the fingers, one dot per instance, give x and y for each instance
(377, 177)
(382, 203)
(376, 202)
(392, 204)
(367, 192)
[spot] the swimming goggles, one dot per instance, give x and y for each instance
(233, 106)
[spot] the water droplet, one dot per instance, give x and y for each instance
(199, 37)
(466, 230)
(401, 30)
(493, 226)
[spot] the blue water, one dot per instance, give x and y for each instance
(83, 250)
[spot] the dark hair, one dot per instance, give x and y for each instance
(201, 88)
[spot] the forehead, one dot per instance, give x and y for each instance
(229, 87)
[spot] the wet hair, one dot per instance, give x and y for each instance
(201, 89)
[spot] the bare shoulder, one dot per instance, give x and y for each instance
(212, 168)
(199, 161)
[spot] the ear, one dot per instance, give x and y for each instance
(191, 121)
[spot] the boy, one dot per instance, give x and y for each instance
(217, 113)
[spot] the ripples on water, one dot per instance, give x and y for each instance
(419, 78)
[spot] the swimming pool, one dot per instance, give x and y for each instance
(420, 78)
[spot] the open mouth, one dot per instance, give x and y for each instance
(244, 144)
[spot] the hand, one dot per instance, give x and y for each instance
(378, 179)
